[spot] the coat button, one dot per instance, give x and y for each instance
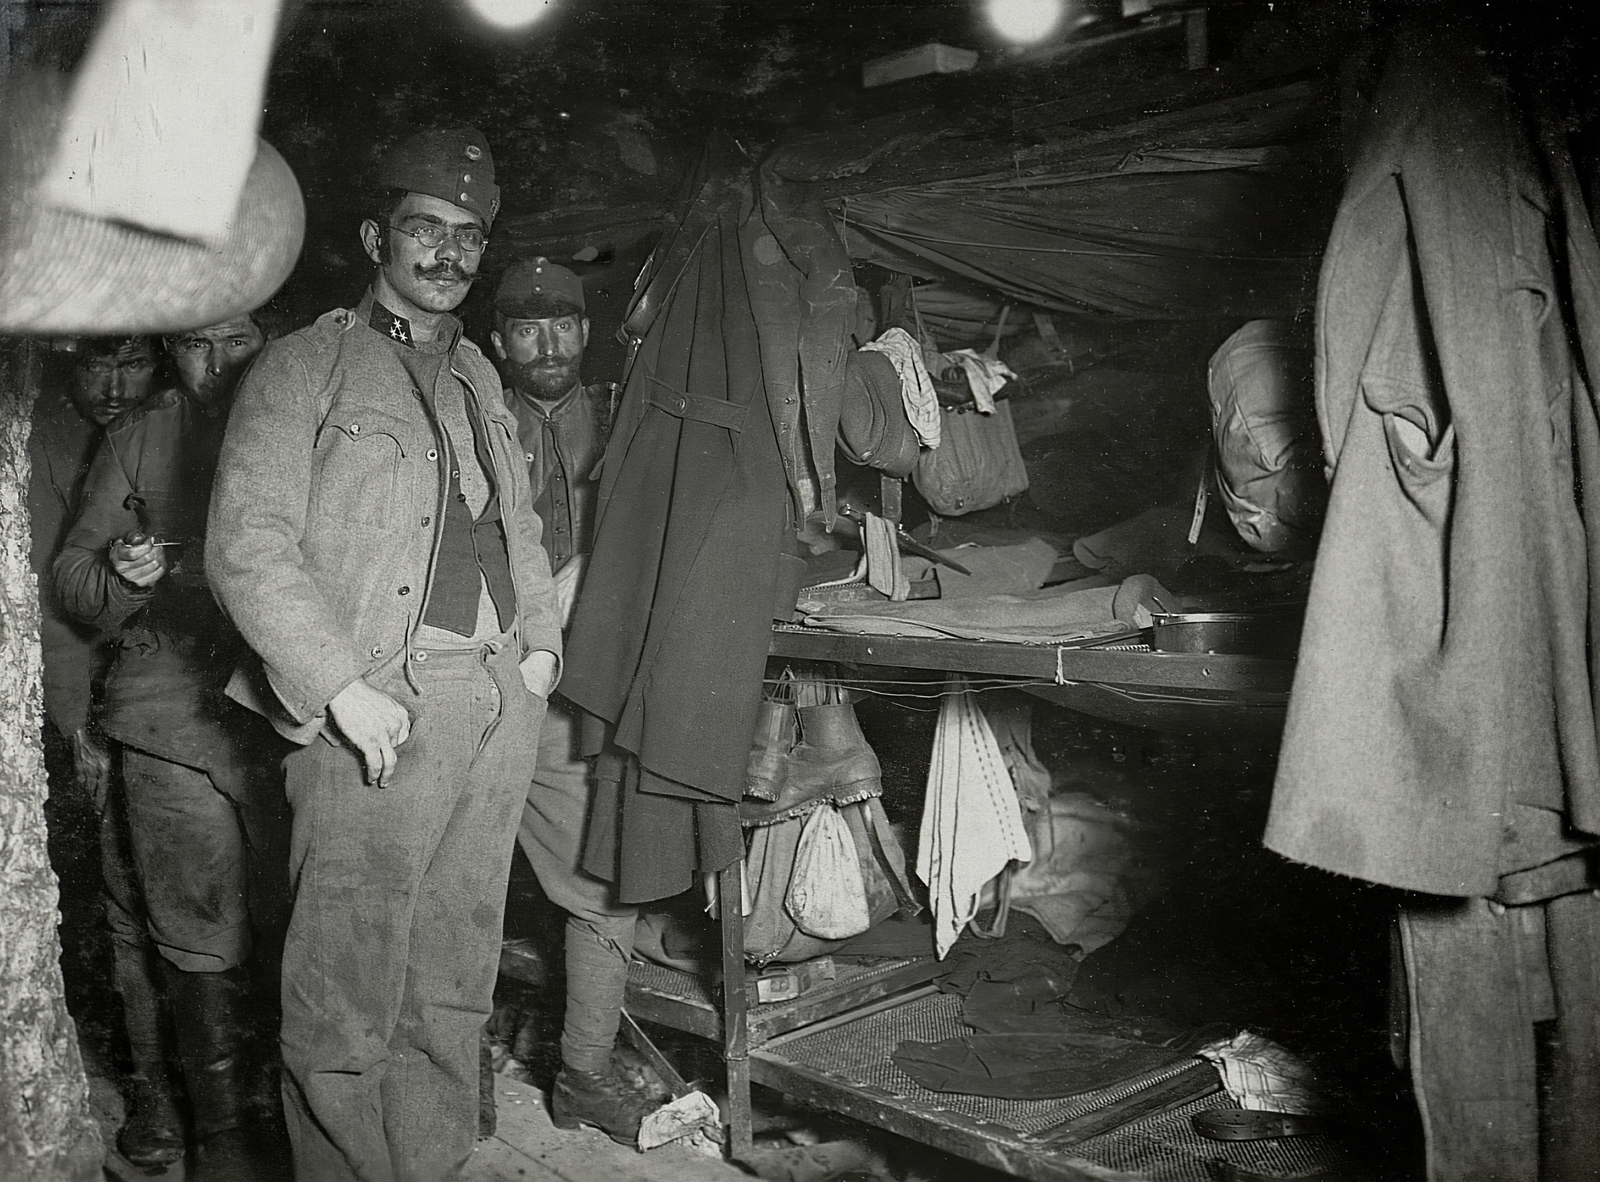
(421, 656)
(355, 428)
(433, 453)
(377, 650)
(427, 521)
(529, 457)
(405, 591)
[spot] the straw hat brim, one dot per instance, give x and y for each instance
(65, 273)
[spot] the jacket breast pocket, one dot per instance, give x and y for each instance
(1422, 449)
(361, 457)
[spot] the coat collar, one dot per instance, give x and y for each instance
(398, 329)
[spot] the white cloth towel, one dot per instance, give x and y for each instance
(984, 374)
(916, 387)
(971, 824)
(885, 572)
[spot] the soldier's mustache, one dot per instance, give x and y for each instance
(442, 271)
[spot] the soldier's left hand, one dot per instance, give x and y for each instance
(539, 672)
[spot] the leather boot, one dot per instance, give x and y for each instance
(601, 1100)
(213, 1015)
(831, 762)
(769, 750)
(151, 1136)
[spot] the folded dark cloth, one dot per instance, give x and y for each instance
(1032, 1066)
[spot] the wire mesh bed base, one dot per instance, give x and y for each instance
(1140, 1127)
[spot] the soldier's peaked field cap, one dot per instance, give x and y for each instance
(538, 290)
(452, 164)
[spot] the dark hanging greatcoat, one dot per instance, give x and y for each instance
(669, 640)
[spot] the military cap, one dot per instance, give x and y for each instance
(537, 290)
(452, 164)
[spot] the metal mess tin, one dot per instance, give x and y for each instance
(1263, 634)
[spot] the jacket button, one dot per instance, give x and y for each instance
(529, 457)
(433, 453)
(405, 591)
(377, 650)
(427, 521)
(355, 428)
(421, 657)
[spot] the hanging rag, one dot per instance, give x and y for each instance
(884, 569)
(1262, 1076)
(916, 387)
(1088, 876)
(1011, 720)
(985, 375)
(971, 824)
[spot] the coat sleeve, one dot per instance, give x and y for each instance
(254, 558)
(85, 584)
(539, 611)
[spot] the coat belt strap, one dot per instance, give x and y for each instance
(716, 411)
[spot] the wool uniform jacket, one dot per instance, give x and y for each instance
(328, 511)
(1442, 730)
(152, 473)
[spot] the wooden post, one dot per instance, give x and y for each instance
(735, 1033)
(1197, 39)
(46, 1130)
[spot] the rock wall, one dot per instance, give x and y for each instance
(46, 1130)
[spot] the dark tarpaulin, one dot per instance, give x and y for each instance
(1220, 210)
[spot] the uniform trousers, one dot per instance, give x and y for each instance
(393, 945)
(599, 930)
(194, 859)
(1504, 1036)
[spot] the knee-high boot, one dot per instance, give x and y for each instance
(151, 1136)
(213, 1017)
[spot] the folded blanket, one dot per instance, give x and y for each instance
(1054, 615)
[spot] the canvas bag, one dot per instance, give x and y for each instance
(770, 931)
(977, 464)
(1263, 421)
(827, 896)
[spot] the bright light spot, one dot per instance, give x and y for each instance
(1026, 21)
(510, 14)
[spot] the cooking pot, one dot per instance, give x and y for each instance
(1264, 634)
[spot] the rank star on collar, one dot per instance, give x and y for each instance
(397, 328)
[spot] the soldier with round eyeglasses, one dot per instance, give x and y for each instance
(374, 537)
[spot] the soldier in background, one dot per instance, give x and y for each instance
(539, 338)
(195, 841)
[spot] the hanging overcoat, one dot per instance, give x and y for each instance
(1442, 730)
(669, 639)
